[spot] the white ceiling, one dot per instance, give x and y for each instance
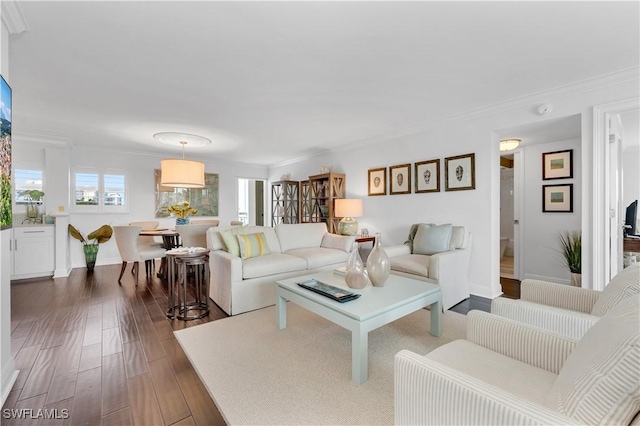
(272, 81)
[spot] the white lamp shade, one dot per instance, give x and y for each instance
(348, 207)
(180, 173)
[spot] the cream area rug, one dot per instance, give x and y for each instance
(259, 375)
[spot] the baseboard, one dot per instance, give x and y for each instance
(550, 279)
(485, 292)
(7, 379)
(61, 272)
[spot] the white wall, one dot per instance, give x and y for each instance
(140, 172)
(478, 209)
(8, 371)
(542, 259)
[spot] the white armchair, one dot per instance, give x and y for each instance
(509, 373)
(563, 309)
(447, 265)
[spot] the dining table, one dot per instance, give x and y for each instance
(170, 240)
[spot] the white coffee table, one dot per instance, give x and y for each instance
(377, 306)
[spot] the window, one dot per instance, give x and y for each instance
(100, 191)
(26, 180)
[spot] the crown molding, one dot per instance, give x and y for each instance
(536, 98)
(32, 136)
(13, 18)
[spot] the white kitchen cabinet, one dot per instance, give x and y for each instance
(33, 251)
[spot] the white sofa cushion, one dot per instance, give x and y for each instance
(338, 242)
(271, 264)
(600, 381)
(318, 257)
(623, 285)
(432, 239)
(416, 264)
(516, 377)
(300, 235)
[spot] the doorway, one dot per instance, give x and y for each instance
(609, 178)
(251, 201)
(507, 218)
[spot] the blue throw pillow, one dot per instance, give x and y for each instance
(432, 239)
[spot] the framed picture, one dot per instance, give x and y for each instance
(205, 200)
(557, 165)
(427, 176)
(460, 172)
(557, 198)
(378, 181)
(400, 179)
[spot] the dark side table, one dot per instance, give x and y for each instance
(182, 265)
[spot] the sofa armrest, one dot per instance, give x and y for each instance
(225, 267)
(559, 295)
(395, 251)
(450, 266)
(427, 392)
(556, 320)
(519, 341)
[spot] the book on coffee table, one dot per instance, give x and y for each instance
(336, 293)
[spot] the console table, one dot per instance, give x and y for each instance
(632, 244)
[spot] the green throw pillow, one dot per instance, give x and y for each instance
(432, 239)
(253, 245)
(229, 236)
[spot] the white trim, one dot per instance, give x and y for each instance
(31, 136)
(600, 187)
(13, 18)
(9, 375)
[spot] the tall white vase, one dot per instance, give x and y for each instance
(378, 265)
(356, 276)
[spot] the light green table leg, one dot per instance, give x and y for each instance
(359, 356)
(436, 318)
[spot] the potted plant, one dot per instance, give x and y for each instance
(91, 243)
(571, 249)
(182, 211)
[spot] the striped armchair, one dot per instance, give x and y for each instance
(566, 310)
(508, 373)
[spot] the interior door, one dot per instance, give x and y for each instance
(615, 194)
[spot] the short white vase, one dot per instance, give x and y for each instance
(378, 265)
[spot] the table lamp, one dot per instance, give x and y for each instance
(348, 209)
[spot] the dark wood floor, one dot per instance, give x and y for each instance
(106, 354)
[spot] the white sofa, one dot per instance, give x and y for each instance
(448, 268)
(239, 285)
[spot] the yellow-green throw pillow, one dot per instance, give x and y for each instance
(230, 239)
(253, 245)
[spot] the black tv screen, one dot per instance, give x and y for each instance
(631, 218)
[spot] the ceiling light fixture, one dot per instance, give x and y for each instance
(509, 144)
(179, 172)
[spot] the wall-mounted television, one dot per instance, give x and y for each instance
(6, 217)
(631, 219)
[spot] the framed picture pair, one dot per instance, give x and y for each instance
(557, 198)
(459, 176)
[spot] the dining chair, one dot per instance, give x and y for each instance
(193, 235)
(131, 251)
(147, 226)
(210, 222)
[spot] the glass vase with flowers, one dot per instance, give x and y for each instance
(182, 211)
